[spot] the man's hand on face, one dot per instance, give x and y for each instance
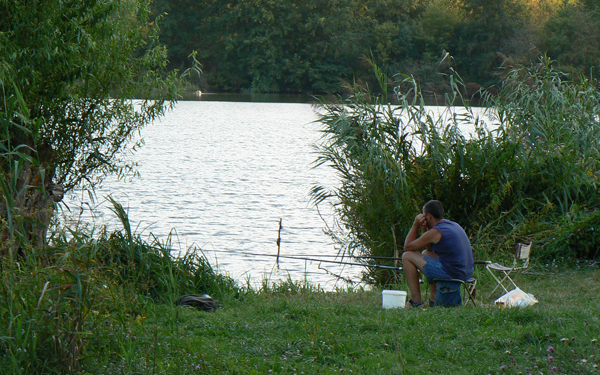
(420, 221)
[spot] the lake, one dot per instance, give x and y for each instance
(222, 174)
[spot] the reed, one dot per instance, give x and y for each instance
(52, 306)
(534, 167)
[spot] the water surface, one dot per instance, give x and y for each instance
(223, 175)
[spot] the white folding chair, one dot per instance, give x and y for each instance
(521, 262)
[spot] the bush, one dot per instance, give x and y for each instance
(538, 162)
(53, 304)
(577, 237)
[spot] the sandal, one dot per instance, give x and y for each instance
(413, 304)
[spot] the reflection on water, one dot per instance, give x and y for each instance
(223, 175)
(429, 100)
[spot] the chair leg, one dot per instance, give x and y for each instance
(470, 289)
(511, 280)
(500, 282)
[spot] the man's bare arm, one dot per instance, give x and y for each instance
(412, 243)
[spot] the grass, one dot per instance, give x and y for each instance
(104, 305)
(304, 330)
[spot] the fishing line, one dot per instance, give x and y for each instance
(314, 256)
(340, 262)
(316, 259)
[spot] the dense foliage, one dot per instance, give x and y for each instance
(51, 307)
(68, 73)
(532, 165)
(314, 45)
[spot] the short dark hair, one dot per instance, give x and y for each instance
(434, 208)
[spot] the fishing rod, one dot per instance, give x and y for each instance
(321, 255)
(377, 266)
(310, 258)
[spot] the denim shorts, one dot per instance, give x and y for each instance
(433, 269)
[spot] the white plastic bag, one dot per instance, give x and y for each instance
(516, 298)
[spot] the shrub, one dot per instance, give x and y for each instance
(51, 306)
(539, 157)
(153, 268)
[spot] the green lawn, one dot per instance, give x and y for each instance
(306, 331)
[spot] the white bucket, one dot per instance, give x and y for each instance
(393, 299)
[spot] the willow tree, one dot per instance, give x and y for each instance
(68, 73)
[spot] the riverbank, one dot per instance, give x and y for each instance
(296, 329)
(105, 303)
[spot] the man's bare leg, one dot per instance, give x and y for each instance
(432, 286)
(412, 263)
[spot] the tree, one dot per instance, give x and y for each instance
(571, 36)
(486, 34)
(68, 73)
(288, 46)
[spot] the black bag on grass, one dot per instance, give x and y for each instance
(201, 302)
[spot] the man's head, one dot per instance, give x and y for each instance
(435, 209)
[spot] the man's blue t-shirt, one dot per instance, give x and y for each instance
(454, 250)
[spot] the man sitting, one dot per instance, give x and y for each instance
(447, 254)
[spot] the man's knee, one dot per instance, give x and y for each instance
(413, 257)
(407, 256)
